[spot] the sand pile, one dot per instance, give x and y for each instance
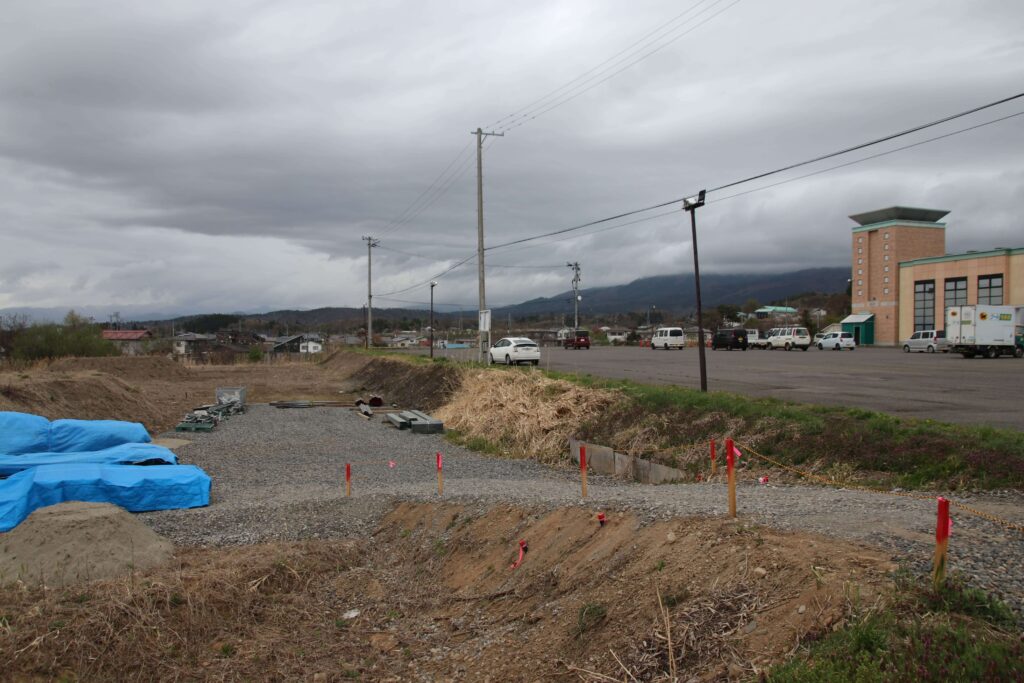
(73, 542)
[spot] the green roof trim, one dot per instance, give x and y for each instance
(963, 257)
(908, 224)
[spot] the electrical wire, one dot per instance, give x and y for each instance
(543, 100)
(867, 158)
(444, 272)
(776, 171)
(526, 118)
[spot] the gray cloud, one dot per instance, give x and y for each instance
(229, 156)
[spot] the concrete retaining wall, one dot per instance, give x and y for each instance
(604, 460)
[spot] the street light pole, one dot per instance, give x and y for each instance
(691, 205)
(432, 285)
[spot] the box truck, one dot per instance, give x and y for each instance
(988, 331)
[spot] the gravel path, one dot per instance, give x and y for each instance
(279, 475)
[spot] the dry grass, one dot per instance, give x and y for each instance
(524, 413)
(244, 613)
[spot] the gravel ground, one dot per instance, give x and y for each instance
(279, 475)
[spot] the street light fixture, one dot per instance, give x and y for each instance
(432, 285)
(691, 204)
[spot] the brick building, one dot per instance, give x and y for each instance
(902, 278)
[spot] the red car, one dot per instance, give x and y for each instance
(579, 339)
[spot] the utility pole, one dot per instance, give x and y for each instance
(370, 244)
(484, 341)
(432, 285)
(575, 294)
(691, 204)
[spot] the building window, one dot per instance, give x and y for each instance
(860, 283)
(990, 289)
(886, 247)
(924, 305)
(860, 240)
(885, 279)
(886, 236)
(860, 293)
(886, 269)
(886, 257)
(860, 261)
(956, 292)
(860, 271)
(860, 250)
(886, 290)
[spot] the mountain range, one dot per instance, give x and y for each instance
(667, 293)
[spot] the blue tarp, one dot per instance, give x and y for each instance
(125, 454)
(23, 433)
(89, 460)
(137, 489)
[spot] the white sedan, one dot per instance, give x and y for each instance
(837, 341)
(513, 351)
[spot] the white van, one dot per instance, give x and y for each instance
(668, 338)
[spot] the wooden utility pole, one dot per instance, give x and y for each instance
(575, 294)
(484, 341)
(370, 244)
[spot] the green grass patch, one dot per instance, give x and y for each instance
(957, 634)
(874, 448)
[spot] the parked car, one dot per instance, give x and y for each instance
(818, 337)
(513, 351)
(837, 341)
(668, 338)
(762, 341)
(730, 338)
(791, 338)
(577, 339)
(927, 341)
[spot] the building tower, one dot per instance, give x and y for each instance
(881, 240)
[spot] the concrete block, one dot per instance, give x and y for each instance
(600, 459)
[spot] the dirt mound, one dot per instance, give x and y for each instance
(78, 395)
(129, 368)
(406, 383)
(73, 542)
(434, 597)
(524, 413)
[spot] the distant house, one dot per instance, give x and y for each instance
(771, 312)
(290, 344)
(130, 342)
(615, 336)
(401, 342)
(311, 347)
(192, 343)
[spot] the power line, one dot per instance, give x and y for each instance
(645, 38)
(526, 118)
(776, 171)
(867, 158)
(870, 143)
(435, 277)
(434, 191)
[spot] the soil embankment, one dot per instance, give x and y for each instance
(434, 595)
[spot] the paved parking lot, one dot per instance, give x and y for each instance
(936, 386)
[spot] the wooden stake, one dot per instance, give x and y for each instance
(583, 468)
(348, 480)
(714, 461)
(440, 475)
(730, 462)
(941, 544)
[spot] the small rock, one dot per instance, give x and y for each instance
(749, 628)
(670, 537)
(351, 614)
(761, 572)
(320, 677)
(801, 609)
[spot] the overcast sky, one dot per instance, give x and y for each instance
(197, 156)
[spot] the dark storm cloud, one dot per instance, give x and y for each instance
(229, 156)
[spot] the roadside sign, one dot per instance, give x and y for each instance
(485, 321)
